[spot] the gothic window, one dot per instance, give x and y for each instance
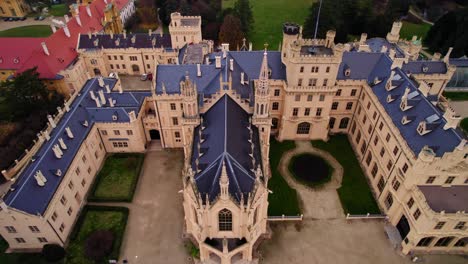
(225, 220)
(303, 128)
(344, 122)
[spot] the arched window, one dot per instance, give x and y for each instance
(261, 109)
(461, 242)
(303, 128)
(331, 123)
(425, 241)
(443, 242)
(344, 122)
(274, 123)
(225, 220)
(135, 68)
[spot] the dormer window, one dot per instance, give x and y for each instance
(269, 72)
(403, 105)
(347, 72)
(405, 120)
(114, 117)
(425, 68)
(422, 128)
(390, 98)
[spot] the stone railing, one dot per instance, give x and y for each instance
(365, 216)
(285, 218)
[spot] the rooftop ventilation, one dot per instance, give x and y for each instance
(58, 172)
(40, 179)
(85, 123)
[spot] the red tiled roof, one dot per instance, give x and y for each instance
(15, 51)
(62, 49)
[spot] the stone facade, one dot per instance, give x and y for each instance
(14, 8)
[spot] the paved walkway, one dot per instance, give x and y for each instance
(316, 203)
(460, 107)
(154, 228)
(4, 25)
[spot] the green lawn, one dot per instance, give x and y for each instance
(355, 194)
(269, 16)
(408, 30)
(58, 10)
(456, 96)
(306, 182)
(464, 125)
(95, 218)
(37, 31)
(118, 178)
(283, 200)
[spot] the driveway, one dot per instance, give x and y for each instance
(154, 229)
(4, 25)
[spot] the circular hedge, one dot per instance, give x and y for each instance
(310, 169)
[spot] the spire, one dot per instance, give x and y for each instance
(224, 183)
(263, 78)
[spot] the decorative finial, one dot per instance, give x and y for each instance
(266, 47)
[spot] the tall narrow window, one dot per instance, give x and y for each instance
(225, 220)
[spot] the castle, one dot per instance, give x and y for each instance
(222, 106)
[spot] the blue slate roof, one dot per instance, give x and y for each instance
(439, 140)
(376, 44)
(26, 195)
(225, 141)
(460, 62)
(361, 65)
(142, 40)
(430, 67)
(248, 62)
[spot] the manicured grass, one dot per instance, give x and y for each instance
(16, 258)
(95, 218)
(36, 31)
(314, 171)
(283, 200)
(269, 16)
(456, 96)
(58, 10)
(355, 193)
(408, 30)
(118, 178)
(464, 125)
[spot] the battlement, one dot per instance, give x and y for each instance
(291, 28)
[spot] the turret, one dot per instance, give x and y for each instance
(290, 34)
(261, 91)
(189, 92)
(394, 35)
(330, 40)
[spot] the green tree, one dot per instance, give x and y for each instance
(451, 30)
(27, 94)
(231, 31)
(244, 13)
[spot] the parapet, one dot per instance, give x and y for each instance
(291, 28)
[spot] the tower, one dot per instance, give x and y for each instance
(394, 35)
(191, 118)
(112, 19)
(290, 34)
(261, 116)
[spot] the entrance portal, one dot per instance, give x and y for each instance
(154, 134)
(403, 227)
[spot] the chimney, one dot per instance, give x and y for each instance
(78, 19)
(198, 70)
(242, 78)
(125, 34)
(98, 103)
(207, 60)
(111, 35)
(44, 47)
(218, 62)
(67, 32)
(51, 121)
(447, 56)
(150, 32)
(231, 64)
(88, 10)
(62, 144)
(67, 19)
(101, 81)
(103, 98)
(111, 102)
(250, 46)
(69, 132)
(89, 34)
(363, 38)
(53, 27)
(107, 89)
(436, 56)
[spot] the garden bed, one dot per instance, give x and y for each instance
(117, 180)
(310, 169)
(95, 218)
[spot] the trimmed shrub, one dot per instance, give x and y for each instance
(99, 245)
(53, 252)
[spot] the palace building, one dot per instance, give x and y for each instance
(222, 106)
